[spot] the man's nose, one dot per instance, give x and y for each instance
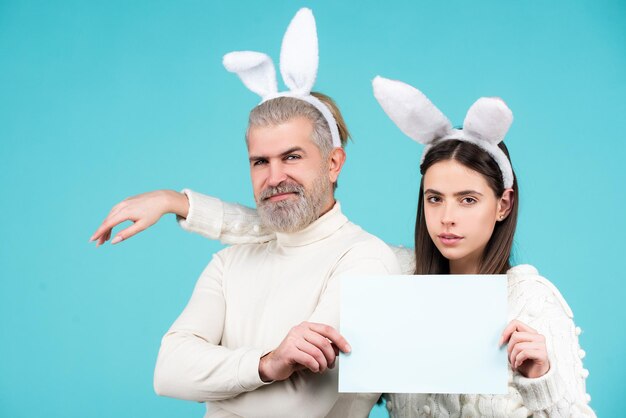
(276, 175)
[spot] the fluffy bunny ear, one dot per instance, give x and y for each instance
(255, 69)
(411, 110)
(299, 53)
(488, 119)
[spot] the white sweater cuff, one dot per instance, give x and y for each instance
(248, 372)
(542, 392)
(206, 215)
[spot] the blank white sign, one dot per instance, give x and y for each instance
(424, 334)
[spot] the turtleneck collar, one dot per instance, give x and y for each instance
(326, 225)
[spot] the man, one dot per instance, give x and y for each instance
(258, 337)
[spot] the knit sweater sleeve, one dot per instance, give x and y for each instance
(561, 391)
(232, 224)
(406, 258)
(228, 222)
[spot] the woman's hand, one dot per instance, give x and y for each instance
(143, 210)
(527, 349)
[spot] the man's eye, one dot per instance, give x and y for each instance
(259, 162)
(292, 157)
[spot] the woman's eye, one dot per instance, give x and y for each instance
(433, 199)
(468, 200)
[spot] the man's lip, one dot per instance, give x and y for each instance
(280, 196)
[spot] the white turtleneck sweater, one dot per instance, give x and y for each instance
(244, 304)
(532, 299)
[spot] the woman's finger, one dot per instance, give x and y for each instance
(513, 326)
(103, 238)
(519, 337)
(111, 222)
(104, 225)
(124, 234)
(538, 350)
(524, 355)
(518, 348)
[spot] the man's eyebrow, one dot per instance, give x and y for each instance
(257, 158)
(283, 154)
(292, 150)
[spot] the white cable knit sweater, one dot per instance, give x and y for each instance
(532, 299)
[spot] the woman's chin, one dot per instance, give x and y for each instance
(451, 254)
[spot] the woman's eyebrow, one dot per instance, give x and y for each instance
(432, 191)
(465, 192)
(461, 193)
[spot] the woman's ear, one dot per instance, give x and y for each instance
(505, 204)
(336, 159)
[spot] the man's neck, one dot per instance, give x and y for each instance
(330, 204)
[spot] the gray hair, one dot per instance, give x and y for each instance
(293, 215)
(283, 109)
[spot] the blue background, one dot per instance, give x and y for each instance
(103, 100)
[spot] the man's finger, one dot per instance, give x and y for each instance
(323, 344)
(336, 350)
(314, 352)
(332, 334)
(300, 357)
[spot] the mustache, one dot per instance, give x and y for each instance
(283, 187)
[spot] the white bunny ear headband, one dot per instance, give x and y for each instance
(486, 123)
(298, 66)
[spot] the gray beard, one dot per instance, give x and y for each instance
(292, 215)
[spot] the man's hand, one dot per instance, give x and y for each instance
(307, 346)
(527, 349)
(144, 210)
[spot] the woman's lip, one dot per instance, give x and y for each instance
(280, 196)
(449, 239)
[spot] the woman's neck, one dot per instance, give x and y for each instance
(464, 266)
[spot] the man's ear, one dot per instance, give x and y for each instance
(336, 159)
(505, 204)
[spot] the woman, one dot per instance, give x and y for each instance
(466, 219)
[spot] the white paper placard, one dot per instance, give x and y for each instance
(424, 334)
